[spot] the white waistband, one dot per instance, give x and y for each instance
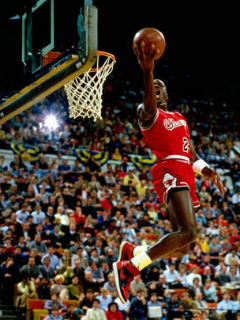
(175, 156)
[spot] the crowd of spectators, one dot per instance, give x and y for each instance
(62, 224)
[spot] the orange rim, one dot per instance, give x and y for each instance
(106, 54)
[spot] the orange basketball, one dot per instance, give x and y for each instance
(149, 36)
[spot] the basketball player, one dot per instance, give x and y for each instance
(167, 135)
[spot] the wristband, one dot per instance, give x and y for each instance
(199, 165)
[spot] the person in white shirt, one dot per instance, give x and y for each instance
(38, 215)
(22, 213)
(236, 197)
(171, 273)
(229, 256)
(95, 313)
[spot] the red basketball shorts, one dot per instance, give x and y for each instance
(169, 174)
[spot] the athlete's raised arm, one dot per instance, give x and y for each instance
(148, 109)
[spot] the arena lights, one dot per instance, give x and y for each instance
(51, 122)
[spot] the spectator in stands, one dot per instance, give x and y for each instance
(209, 291)
(225, 305)
(58, 286)
(208, 274)
(75, 290)
(45, 268)
(215, 246)
(54, 302)
(54, 315)
(223, 278)
(200, 217)
(138, 307)
(172, 307)
(32, 271)
(71, 314)
(186, 305)
(194, 273)
(39, 245)
(95, 312)
(171, 274)
(22, 213)
(195, 288)
(43, 289)
(136, 284)
(104, 299)
(182, 276)
(78, 271)
(155, 312)
(199, 303)
(54, 260)
(87, 301)
(89, 283)
(96, 272)
(111, 286)
(38, 215)
(112, 313)
(231, 255)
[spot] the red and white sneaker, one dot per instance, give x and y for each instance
(125, 251)
(124, 272)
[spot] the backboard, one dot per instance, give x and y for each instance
(43, 45)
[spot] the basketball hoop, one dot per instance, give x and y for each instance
(84, 93)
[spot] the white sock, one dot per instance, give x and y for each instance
(139, 249)
(141, 261)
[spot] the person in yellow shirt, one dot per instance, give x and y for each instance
(116, 155)
(132, 177)
(26, 290)
(141, 188)
(204, 244)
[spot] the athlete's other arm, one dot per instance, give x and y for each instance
(148, 109)
(201, 167)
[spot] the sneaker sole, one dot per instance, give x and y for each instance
(120, 251)
(115, 271)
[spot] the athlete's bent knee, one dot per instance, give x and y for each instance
(188, 236)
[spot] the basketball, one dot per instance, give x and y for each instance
(149, 36)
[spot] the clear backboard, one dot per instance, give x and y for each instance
(43, 45)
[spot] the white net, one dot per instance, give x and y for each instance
(84, 93)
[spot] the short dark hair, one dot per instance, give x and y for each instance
(97, 300)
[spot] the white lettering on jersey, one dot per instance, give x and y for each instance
(170, 124)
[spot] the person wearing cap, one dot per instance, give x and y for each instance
(113, 313)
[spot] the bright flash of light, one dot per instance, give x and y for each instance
(51, 122)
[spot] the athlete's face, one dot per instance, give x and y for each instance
(161, 94)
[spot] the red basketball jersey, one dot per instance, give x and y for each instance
(168, 135)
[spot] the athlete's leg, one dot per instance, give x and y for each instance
(173, 244)
(181, 211)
